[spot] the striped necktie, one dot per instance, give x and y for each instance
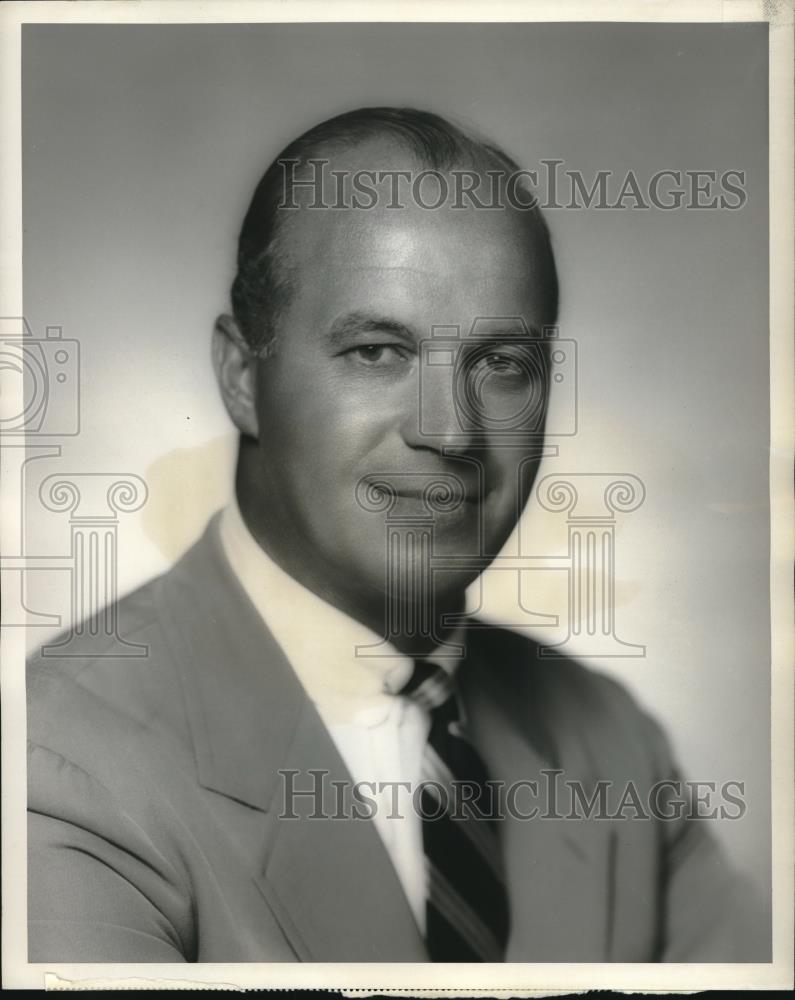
(467, 918)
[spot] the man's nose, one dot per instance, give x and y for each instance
(438, 420)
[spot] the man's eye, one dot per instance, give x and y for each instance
(378, 355)
(503, 365)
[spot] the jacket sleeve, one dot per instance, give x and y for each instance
(98, 888)
(711, 912)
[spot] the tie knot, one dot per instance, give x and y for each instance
(429, 685)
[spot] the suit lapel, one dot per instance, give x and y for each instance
(329, 882)
(331, 879)
(559, 871)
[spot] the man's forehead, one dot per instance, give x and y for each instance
(417, 299)
(374, 203)
(445, 241)
(409, 280)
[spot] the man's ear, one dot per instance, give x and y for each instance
(235, 370)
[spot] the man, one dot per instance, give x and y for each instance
(236, 796)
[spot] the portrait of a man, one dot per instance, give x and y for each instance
(303, 739)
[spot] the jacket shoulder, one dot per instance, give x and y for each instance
(579, 716)
(90, 696)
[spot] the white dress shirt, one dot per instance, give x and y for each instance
(380, 737)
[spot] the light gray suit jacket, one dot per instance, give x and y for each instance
(154, 800)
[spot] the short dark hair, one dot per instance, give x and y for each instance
(262, 287)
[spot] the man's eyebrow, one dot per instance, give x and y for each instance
(363, 322)
(509, 327)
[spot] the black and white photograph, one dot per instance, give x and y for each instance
(396, 441)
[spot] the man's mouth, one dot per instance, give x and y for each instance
(465, 497)
(438, 492)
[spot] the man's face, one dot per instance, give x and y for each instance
(348, 399)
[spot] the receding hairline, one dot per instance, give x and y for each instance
(349, 156)
(406, 132)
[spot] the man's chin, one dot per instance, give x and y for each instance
(427, 595)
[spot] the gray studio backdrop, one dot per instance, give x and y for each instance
(141, 147)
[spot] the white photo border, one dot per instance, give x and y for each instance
(427, 979)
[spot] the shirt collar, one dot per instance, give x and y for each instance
(319, 641)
